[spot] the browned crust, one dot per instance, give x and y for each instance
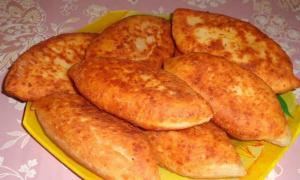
(243, 104)
(151, 99)
(260, 54)
(202, 151)
(153, 34)
(106, 145)
(41, 70)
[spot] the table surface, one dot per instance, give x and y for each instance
(26, 22)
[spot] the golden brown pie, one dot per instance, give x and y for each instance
(147, 97)
(243, 104)
(110, 147)
(140, 38)
(202, 151)
(237, 41)
(42, 70)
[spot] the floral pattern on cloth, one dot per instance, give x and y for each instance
(26, 171)
(274, 25)
(202, 4)
(68, 6)
(94, 11)
(21, 26)
(24, 23)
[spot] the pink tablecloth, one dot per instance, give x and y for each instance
(26, 22)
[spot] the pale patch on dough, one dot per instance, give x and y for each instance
(202, 35)
(161, 88)
(140, 44)
(150, 40)
(145, 77)
(82, 119)
(192, 20)
(171, 92)
(150, 82)
(237, 90)
(242, 91)
(62, 63)
(205, 35)
(153, 83)
(145, 25)
(258, 46)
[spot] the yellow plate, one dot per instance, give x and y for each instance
(257, 156)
